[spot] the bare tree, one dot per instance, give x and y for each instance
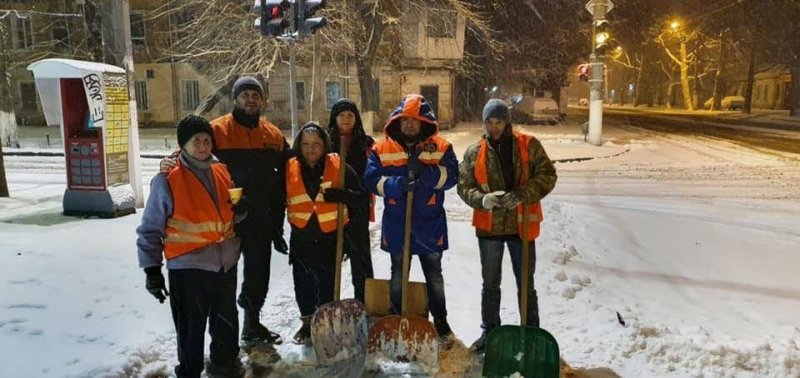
(217, 37)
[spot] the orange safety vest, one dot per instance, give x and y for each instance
(300, 206)
(196, 220)
(482, 218)
(392, 153)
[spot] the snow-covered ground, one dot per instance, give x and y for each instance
(694, 242)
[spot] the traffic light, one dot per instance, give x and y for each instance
(273, 21)
(602, 38)
(584, 71)
(306, 24)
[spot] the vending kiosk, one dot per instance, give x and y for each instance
(89, 101)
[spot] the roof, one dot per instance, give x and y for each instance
(69, 68)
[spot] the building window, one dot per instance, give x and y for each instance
(766, 92)
(441, 21)
(758, 92)
(182, 22)
(27, 94)
(141, 95)
(60, 34)
(300, 95)
(23, 34)
(191, 95)
(137, 28)
(333, 92)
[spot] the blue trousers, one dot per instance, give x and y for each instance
(434, 282)
(491, 264)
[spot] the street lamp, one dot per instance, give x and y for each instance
(674, 25)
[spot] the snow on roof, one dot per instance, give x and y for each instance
(69, 68)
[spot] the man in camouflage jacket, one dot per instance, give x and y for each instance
(494, 183)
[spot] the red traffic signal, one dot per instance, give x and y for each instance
(274, 18)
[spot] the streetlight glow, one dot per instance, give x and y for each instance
(675, 25)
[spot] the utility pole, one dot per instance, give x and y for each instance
(292, 89)
(117, 40)
(598, 9)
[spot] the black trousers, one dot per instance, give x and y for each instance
(313, 271)
(257, 251)
(360, 252)
(196, 297)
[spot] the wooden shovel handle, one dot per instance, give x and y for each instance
(337, 281)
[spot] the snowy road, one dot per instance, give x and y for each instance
(692, 240)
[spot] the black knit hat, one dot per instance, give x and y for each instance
(190, 125)
(496, 108)
(244, 83)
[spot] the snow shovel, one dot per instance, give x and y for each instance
(526, 350)
(405, 338)
(339, 328)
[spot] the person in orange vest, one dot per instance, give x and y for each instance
(345, 126)
(493, 182)
(412, 157)
(189, 220)
(255, 152)
(312, 195)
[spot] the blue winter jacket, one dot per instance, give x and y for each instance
(387, 169)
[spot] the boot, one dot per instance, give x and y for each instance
(303, 335)
(233, 370)
(253, 331)
(442, 328)
(480, 344)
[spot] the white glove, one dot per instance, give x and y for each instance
(492, 200)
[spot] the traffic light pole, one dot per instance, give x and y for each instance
(598, 9)
(292, 95)
(596, 103)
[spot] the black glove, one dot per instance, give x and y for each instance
(241, 207)
(335, 195)
(155, 283)
(279, 243)
(408, 184)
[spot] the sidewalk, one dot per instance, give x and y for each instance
(563, 142)
(775, 119)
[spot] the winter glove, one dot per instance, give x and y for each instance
(492, 200)
(155, 283)
(335, 195)
(408, 184)
(510, 200)
(279, 243)
(241, 207)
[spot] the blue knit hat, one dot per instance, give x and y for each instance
(496, 108)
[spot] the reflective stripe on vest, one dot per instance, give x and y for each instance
(392, 153)
(196, 221)
(482, 218)
(300, 206)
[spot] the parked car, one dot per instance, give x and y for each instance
(727, 103)
(535, 110)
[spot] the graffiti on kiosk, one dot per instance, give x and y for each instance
(94, 95)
